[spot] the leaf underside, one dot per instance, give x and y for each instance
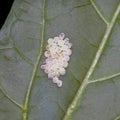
(91, 85)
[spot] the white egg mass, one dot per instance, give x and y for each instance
(57, 55)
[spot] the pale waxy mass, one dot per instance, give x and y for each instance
(57, 55)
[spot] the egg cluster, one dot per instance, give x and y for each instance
(57, 57)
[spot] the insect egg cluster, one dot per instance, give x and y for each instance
(57, 55)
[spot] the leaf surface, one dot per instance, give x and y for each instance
(90, 88)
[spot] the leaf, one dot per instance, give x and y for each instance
(91, 85)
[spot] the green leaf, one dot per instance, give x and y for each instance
(91, 86)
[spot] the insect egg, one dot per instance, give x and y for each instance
(57, 55)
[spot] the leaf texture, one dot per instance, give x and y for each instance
(91, 85)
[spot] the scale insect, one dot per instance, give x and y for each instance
(58, 51)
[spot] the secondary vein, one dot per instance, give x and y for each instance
(105, 78)
(76, 100)
(25, 58)
(25, 110)
(98, 12)
(12, 100)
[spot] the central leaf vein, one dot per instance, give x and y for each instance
(76, 100)
(27, 97)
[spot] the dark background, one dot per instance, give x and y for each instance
(5, 6)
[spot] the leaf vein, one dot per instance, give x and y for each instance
(28, 93)
(117, 118)
(104, 78)
(77, 98)
(21, 54)
(8, 97)
(98, 12)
